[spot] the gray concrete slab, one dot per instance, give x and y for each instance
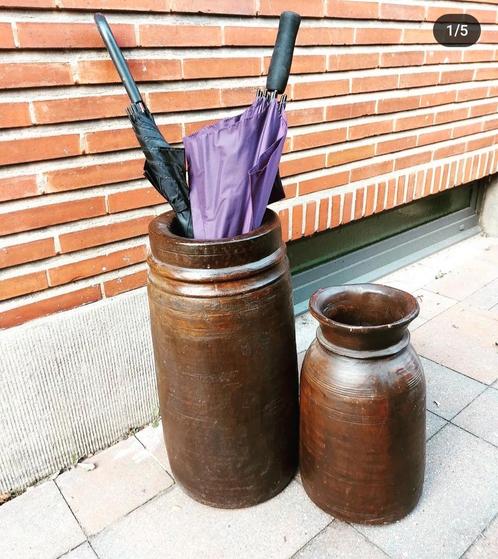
(38, 525)
(175, 526)
(340, 541)
(486, 545)
(83, 551)
(153, 440)
(125, 477)
(460, 499)
(433, 423)
(448, 392)
(481, 417)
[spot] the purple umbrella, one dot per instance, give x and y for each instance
(233, 164)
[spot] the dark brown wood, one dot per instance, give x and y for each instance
(362, 427)
(225, 353)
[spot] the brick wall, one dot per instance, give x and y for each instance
(380, 115)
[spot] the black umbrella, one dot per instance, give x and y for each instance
(164, 165)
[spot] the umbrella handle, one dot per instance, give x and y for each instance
(281, 59)
(118, 58)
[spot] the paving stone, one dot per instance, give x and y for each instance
(125, 477)
(486, 545)
(481, 417)
(306, 327)
(432, 304)
(463, 339)
(410, 278)
(175, 526)
(340, 541)
(152, 439)
(433, 424)
(458, 502)
(38, 524)
(83, 551)
(448, 392)
(485, 298)
(462, 281)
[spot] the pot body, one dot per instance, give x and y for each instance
(362, 427)
(224, 346)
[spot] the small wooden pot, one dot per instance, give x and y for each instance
(225, 353)
(362, 426)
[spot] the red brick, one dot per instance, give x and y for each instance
(132, 199)
(328, 36)
(179, 35)
(336, 211)
(490, 124)
(13, 188)
(352, 61)
(309, 223)
(350, 110)
(479, 143)
(358, 204)
(173, 101)
(297, 222)
(237, 96)
(374, 83)
(483, 109)
(486, 74)
(312, 115)
(320, 138)
(379, 168)
(136, 5)
(402, 58)
(472, 55)
(418, 36)
(410, 187)
(402, 12)
(489, 36)
(30, 74)
(71, 109)
(451, 115)
(400, 193)
(38, 149)
(101, 235)
(376, 128)
(192, 127)
(302, 165)
(27, 3)
(347, 208)
(347, 155)
(433, 99)
(6, 36)
(43, 216)
(13, 115)
(323, 214)
(323, 182)
(304, 64)
(352, 9)
(418, 79)
(412, 160)
(445, 56)
(322, 88)
(369, 205)
(457, 76)
(310, 8)
(398, 144)
(249, 36)
(434, 137)
(22, 285)
(396, 104)
(26, 252)
(125, 283)
(97, 265)
(381, 195)
(103, 71)
(93, 175)
(471, 93)
(448, 151)
(391, 194)
(197, 68)
(60, 35)
(428, 181)
(290, 190)
(412, 122)
(467, 129)
(50, 305)
(377, 36)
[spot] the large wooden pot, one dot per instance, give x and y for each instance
(362, 432)
(225, 353)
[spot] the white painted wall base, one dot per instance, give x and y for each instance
(76, 382)
(489, 210)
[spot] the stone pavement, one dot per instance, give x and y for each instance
(123, 502)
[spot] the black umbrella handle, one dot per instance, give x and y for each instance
(118, 59)
(281, 59)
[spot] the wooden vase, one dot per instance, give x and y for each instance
(362, 426)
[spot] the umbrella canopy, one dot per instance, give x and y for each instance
(233, 164)
(232, 167)
(164, 166)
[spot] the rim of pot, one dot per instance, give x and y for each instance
(324, 294)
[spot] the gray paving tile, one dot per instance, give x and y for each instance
(175, 526)
(448, 392)
(125, 477)
(410, 278)
(433, 424)
(486, 545)
(152, 439)
(306, 327)
(38, 524)
(461, 338)
(83, 551)
(485, 298)
(481, 417)
(432, 304)
(340, 541)
(460, 499)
